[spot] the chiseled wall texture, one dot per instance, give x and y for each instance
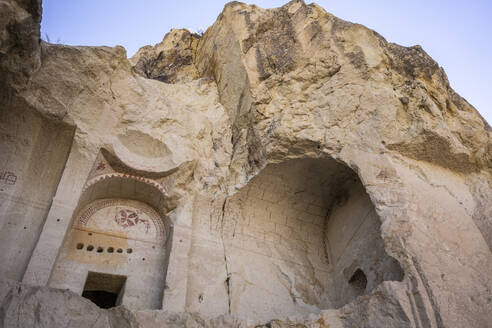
(33, 154)
(274, 243)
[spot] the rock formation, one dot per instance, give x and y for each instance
(287, 168)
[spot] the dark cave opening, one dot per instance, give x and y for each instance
(104, 290)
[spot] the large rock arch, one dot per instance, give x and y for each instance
(300, 237)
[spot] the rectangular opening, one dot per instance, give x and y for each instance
(104, 290)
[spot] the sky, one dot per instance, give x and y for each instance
(456, 33)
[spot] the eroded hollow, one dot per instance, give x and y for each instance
(358, 281)
(302, 236)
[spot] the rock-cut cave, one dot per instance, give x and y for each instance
(301, 236)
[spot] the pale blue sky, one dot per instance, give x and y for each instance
(457, 34)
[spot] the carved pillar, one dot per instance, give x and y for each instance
(174, 298)
(59, 218)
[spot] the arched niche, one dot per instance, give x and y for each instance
(118, 243)
(119, 185)
(300, 237)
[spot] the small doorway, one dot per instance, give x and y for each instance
(104, 290)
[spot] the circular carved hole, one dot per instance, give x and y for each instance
(119, 250)
(100, 249)
(110, 249)
(25, 228)
(129, 250)
(80, 246)
(143, 258)
(90, 233)
(57, 220)
(90, 248)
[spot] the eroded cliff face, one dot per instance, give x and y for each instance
(306, 167)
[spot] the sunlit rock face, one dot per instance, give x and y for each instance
(285, 168)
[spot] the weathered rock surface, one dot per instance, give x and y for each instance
(292, 148)
(20, 54)
(170, 61)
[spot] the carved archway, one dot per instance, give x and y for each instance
(119, 229)
(125, 218)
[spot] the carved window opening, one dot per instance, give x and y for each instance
(104, 290)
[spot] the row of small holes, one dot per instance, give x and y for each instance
(101, 249)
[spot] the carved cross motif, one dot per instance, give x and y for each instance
(128, 218)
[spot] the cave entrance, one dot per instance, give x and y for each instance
(303, 235)
(104, 290)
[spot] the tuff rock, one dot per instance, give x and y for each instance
(289, 169)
